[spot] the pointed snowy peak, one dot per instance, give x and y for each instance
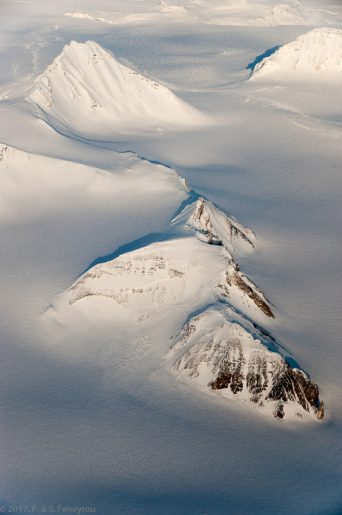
(87, 92)
(319, 52)
(215, 226)
(220, 354)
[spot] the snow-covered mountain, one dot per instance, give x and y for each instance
(216, 351)
(194, 266)
(317, 53)
(144, 283)
(143, 368)
(216, 227)
(88, 93)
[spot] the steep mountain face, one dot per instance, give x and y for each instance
(218, 352)
(217, 227)
(223, 349)
(243, 293)
(88, 93)
(319, 52)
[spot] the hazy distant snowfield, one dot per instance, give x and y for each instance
(170, 263)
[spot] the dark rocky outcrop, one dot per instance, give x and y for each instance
(218, 226)
(240, 362)
(236, 278)
(279, 411)
(292, 384)
(252, 293)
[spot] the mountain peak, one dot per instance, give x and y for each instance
(215, 226)
(318, 51)
(89, 93)
(219, 353)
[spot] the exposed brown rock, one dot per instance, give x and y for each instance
(279, 411)
(223, 380)
(293, 385)
(320, 411)
(256, 380)
(252, 294)
(240, 361)
(205, 222)
(287, 384)
(230, 369)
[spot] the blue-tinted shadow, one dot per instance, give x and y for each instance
(260, 57)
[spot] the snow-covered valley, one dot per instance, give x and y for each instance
(170, 214)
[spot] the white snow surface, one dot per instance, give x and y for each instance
(88, 92)
(144, 285)
(45, 182)
(318, 51)
(257, 13)
(90, 414)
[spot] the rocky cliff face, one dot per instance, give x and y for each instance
(216, 227)
(235, 281)
(222, 355)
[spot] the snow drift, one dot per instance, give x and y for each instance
(87, 92)
(31, 184)
(319, 53)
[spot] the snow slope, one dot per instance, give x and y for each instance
(87, 92)
(258, 13)
(317, 53)
(141, 286)
(33, 184)
(161, 284)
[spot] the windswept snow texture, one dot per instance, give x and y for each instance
(318, 52)
(151, 281)
(88, 93)
(44, 181)
(157, 354)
